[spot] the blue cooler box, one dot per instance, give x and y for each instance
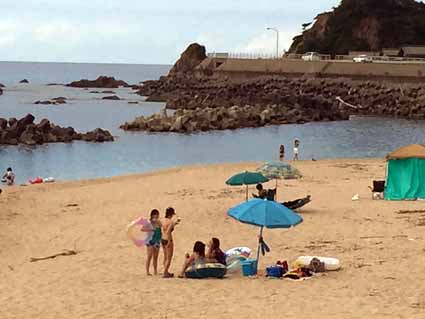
(249, 267)
(274, 271)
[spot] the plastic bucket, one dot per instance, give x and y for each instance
(249, 267)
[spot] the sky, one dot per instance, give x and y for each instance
(146, 31)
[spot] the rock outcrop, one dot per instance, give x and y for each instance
(100, 82)
(189, 59)
(54, 101)
(111, 97)
(366, 25)
(25, 131)
(25, 81)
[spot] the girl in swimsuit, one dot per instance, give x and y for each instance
(215, 254)
(197, 258)
(154, 243)
(167, 240)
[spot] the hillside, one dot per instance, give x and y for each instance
(364, 25)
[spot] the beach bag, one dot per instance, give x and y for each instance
(274, 271)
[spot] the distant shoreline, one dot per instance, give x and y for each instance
(96, 63)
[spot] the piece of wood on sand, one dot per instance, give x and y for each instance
(66, 252)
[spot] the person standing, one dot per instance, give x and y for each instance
(154, 244)
(296, 149)
(281, 152)
(167, 241)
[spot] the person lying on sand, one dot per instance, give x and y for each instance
(214, 253)
(168, 225)
(197, 258)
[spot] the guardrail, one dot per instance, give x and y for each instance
(323, 57)
(242, 55)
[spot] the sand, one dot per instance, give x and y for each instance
(382, 252)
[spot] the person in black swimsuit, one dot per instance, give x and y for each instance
(167, 239)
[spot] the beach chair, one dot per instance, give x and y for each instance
(378, 188)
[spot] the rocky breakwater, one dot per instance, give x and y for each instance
(100, 82)
(234, 117)
(349, 96)
(25, 131)
(189, 87)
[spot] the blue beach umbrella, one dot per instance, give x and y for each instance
(265, 213)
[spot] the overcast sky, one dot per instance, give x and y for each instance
(146, 31)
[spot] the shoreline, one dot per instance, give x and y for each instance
(174, 169)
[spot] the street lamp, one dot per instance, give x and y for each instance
(277, 40)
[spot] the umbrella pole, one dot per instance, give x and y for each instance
(246, 192)
(259, 246)
(276, 190)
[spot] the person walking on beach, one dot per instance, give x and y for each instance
(281, 152)
(167, 240)
(296, 149)
(154, 244)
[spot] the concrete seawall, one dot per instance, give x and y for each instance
(246, 68)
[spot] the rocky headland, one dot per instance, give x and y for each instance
(25, 131)
(209, 102)
(366, 25)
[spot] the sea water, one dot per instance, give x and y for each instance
(136, 152)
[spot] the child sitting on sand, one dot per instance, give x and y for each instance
(197, 258)
(9, 177)
(215, 254)
(154, 244)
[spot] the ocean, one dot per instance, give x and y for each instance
(137, 152)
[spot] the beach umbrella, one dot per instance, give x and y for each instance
(279, 170)
(264, 213)
(246, 178)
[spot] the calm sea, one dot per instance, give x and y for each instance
(141, 152)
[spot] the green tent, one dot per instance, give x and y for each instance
(406, 173)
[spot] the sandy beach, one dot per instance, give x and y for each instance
(382, 251)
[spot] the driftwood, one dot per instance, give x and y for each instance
(402, 212)
(64, 253)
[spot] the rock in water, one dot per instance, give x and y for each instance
(24, 131)
(111, 97)
(24, 81)
(56, 100)
(100, 82)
